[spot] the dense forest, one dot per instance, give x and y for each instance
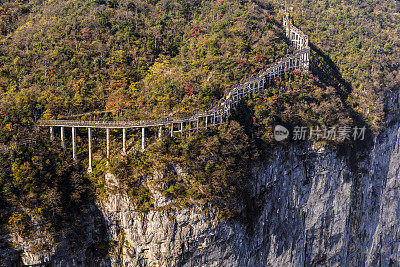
(160, 58)
(361, 40)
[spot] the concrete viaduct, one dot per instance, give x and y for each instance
(298, 60)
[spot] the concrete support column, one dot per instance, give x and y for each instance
(51, 133)
(197, 123)
(73, 143)
(124, 140)
(172, 129)
(181, 128)
(143, 138)
(62, 138)
(90, 149)
(214, 119)
(159, 131)
(108, 143)
(206, 121)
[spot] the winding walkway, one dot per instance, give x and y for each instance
(298, 60)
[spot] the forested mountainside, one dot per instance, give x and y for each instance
(151, 59)
(361, 40)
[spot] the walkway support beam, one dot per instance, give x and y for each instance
(62, 137)
(73, 143)
(52, 133)
(108, 143)
(90, 149)
(143, 138)
(124, 141)
(159, 131)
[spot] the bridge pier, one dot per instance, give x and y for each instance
(143, 138)
(108, 143)
(73, 143)
(62, 137)
(90, 149)
(124, 141)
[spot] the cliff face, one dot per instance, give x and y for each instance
(309, 207)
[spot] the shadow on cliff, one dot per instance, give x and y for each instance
(79, 227)
(76, 223)
(85, 242)
(283, 216)
(354, 153)
(9, 256)
(327, 71)
(275, 212)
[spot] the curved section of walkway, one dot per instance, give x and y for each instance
(299, 59)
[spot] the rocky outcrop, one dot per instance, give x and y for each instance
(303, 200)
(310, 207)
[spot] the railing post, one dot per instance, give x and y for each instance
(143, 138)
(124, 141)
(73, 143)
(108, 143)
(90, 149)
(62, 137)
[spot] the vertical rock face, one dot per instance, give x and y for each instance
(303, 205)
(310, 207)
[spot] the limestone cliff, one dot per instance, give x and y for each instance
(310, 207)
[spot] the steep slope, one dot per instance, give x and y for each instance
(153, 57)
(281, 204)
